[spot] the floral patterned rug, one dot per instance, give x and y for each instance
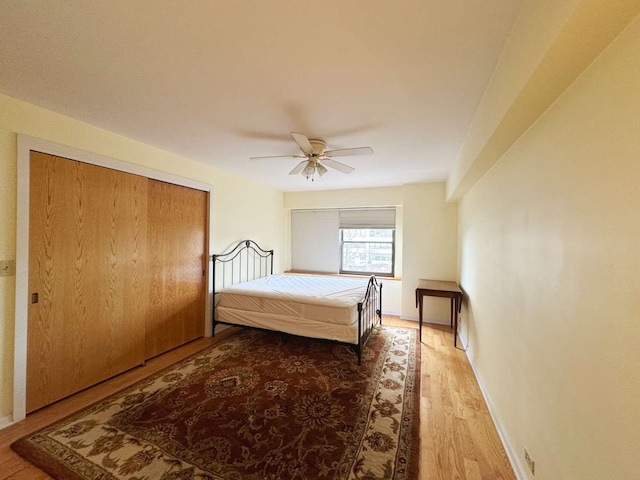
(252, 407)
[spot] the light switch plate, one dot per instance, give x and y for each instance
(7, 268)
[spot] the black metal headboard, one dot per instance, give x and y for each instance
(246, 261)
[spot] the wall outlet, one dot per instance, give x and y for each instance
(7, 268)
(531, 464)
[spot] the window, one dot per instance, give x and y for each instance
(345, 240)
(367, 250)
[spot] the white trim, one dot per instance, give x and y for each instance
(463, 338)
(26, 144)
(512, 454)
(5, 421)
(44, 146)
(415, 318)
(22, 285)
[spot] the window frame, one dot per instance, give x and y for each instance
(358, 272)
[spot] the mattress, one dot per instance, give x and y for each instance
(323, 299)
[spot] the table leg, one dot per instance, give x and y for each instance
(420, 314)
(455, 323)
(451, 313)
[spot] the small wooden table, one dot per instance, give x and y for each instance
(439, 288)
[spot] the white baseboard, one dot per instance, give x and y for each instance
(222, 327)
(425, 321)
(6, 421)
(465, 343)
(512, 454)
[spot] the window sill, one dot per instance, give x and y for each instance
(379, 277)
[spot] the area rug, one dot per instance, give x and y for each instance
(252, 407)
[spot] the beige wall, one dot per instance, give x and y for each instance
(549, 256)
(426, 238)
(242, 209)
(550, 44)
(355, 197)
(430, 247)
(537, 27)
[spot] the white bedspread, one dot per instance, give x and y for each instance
(293, 303)
(317, 289)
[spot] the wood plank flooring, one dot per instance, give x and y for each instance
(458, 438)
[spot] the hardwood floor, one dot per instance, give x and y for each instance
(458, 438)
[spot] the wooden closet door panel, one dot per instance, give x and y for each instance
(50, 251)
(87, 262)
(177, 254)
(118, 271)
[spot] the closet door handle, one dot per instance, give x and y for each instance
(34, 297)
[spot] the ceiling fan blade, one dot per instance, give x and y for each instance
(337, 165)
(299, 168)
(277, 156)
(303, 142)
(320, 168)
(344, 152)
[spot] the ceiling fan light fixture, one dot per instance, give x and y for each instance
(309, 170)
(314, 152)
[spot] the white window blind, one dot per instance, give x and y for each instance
(315, 234)
(315, 240)
(368, 218)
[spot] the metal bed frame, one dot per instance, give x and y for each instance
(248, 261)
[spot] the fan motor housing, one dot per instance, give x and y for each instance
(318, 146)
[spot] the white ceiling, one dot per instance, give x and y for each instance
(221, 80)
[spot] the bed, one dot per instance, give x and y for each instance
(247, 293)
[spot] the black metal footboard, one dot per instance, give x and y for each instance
(369, 313)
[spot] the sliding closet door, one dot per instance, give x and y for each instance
(87, 276)
(177, 233)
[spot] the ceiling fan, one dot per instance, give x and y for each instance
(316, 158)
